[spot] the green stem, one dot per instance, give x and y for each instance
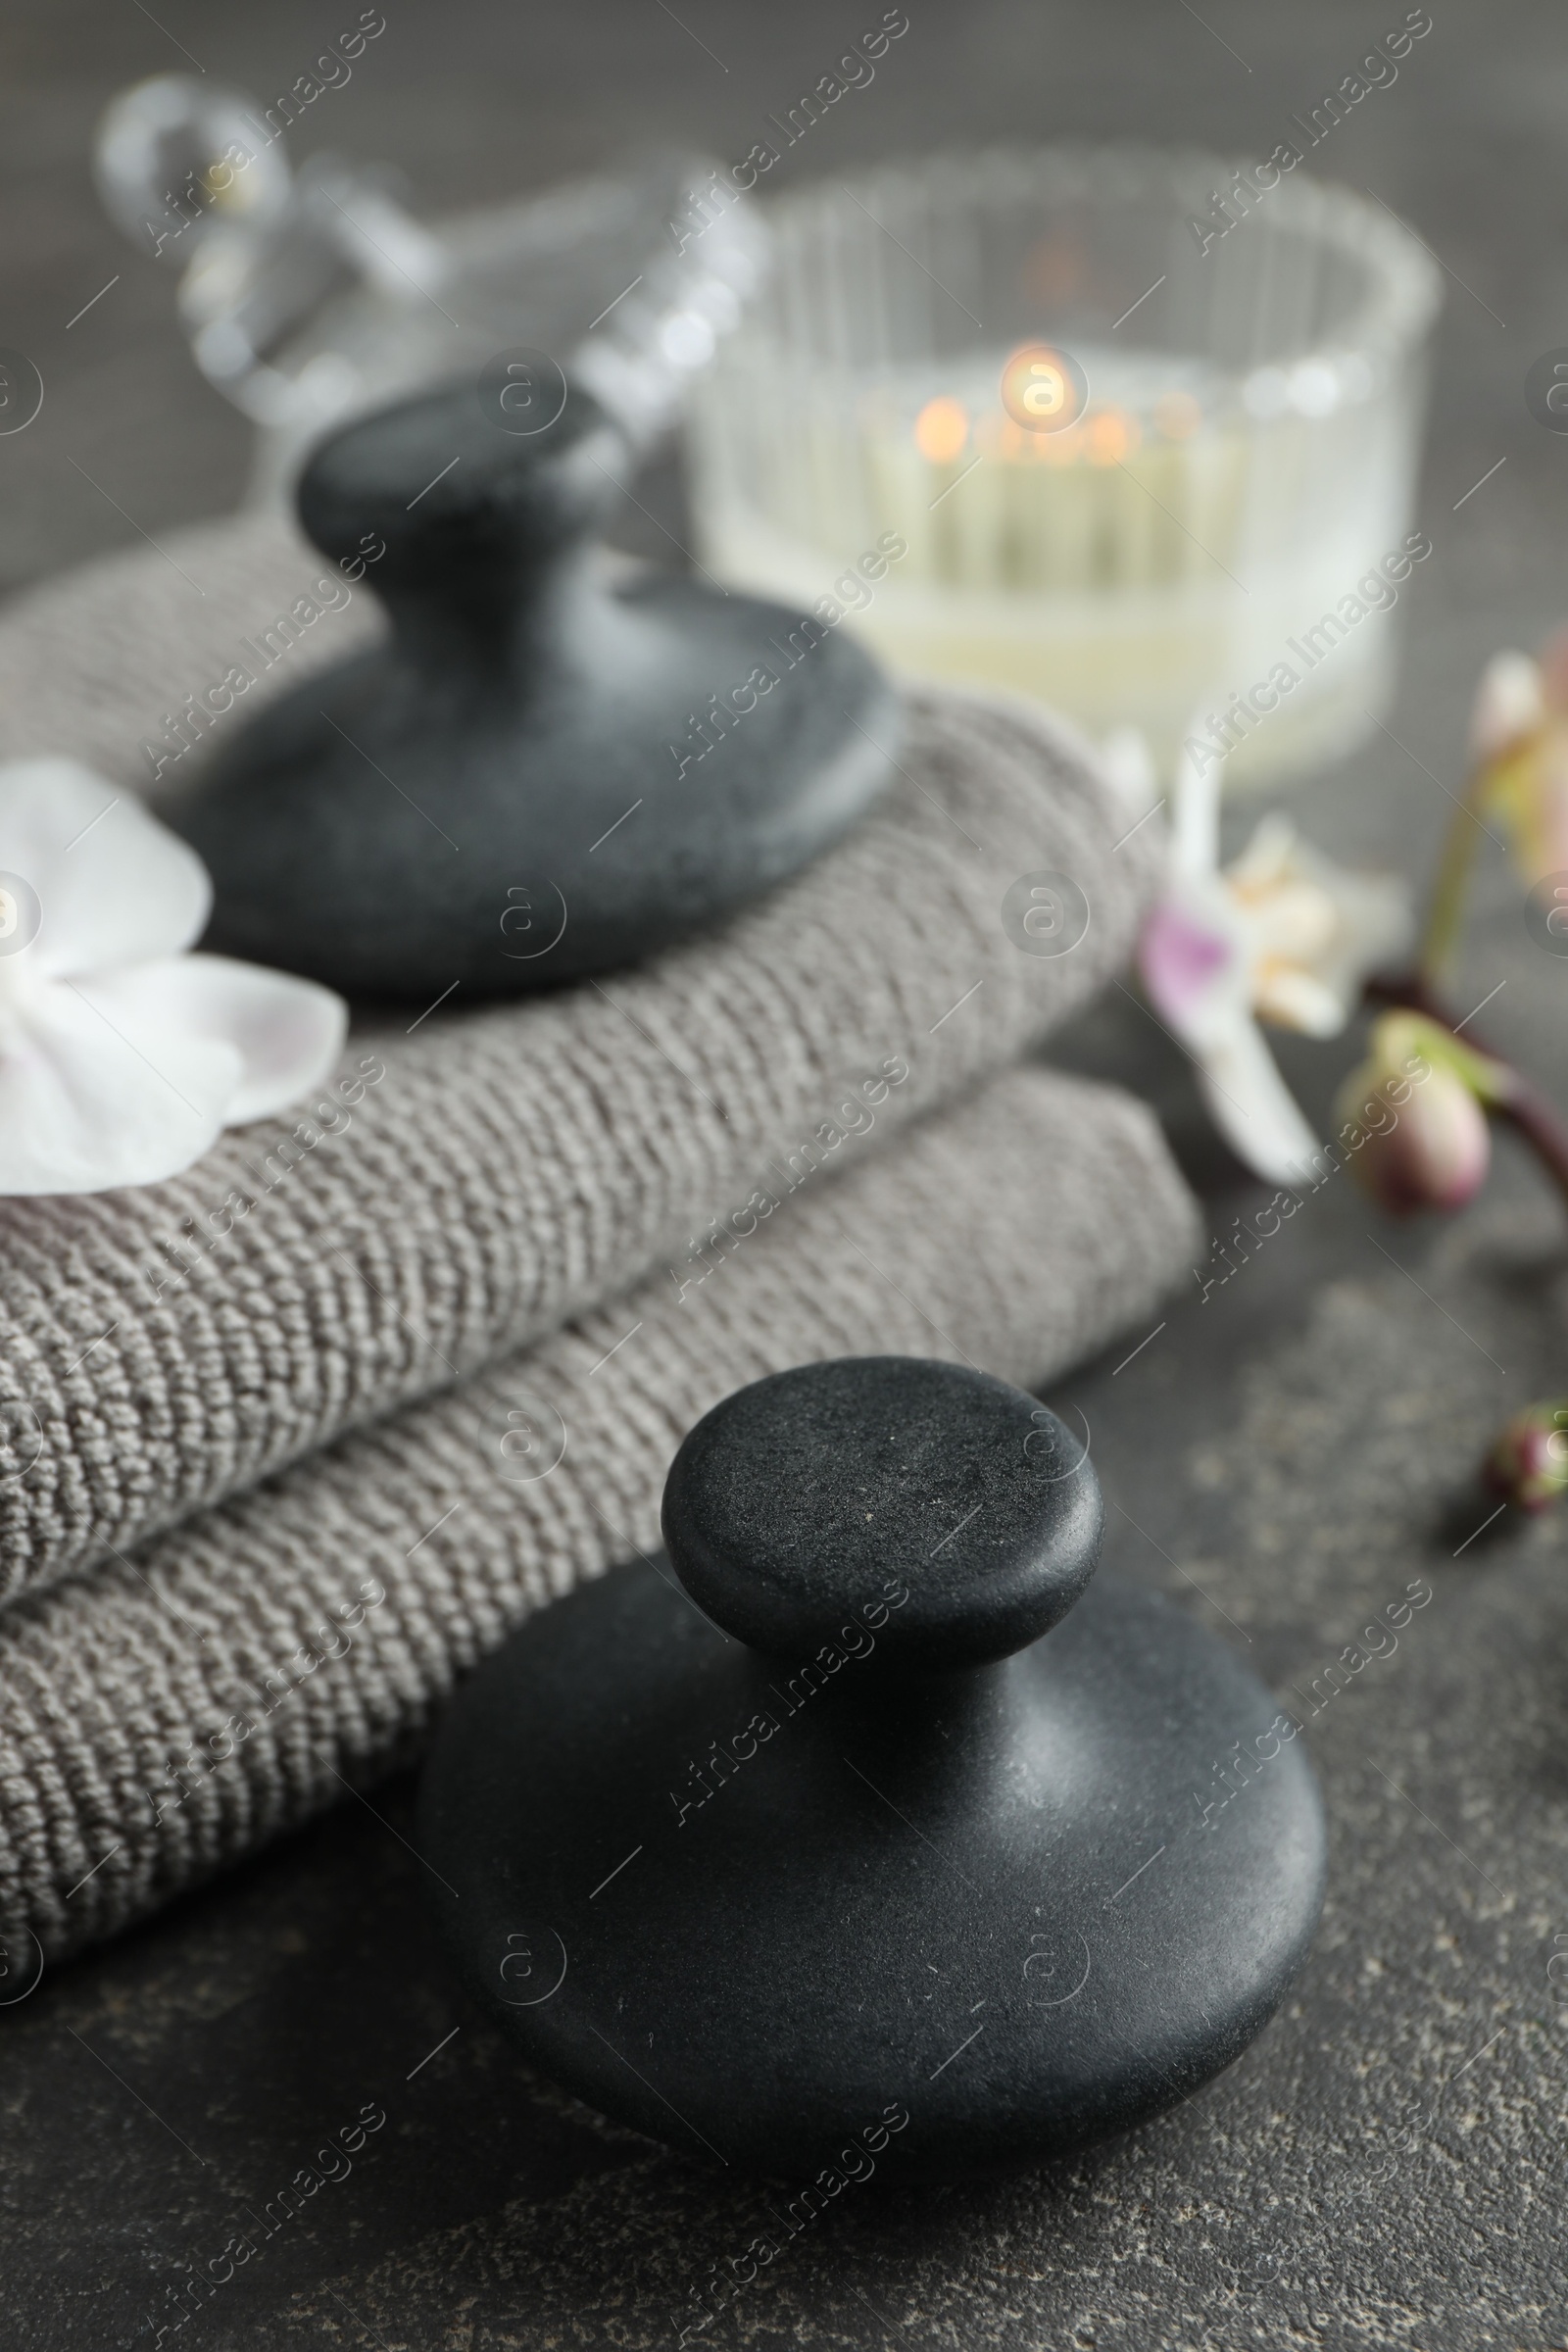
(1532, 1117)
(1446, 913)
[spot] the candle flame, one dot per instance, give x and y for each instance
(941, 431)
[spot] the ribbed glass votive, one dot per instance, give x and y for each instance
(1227, 474)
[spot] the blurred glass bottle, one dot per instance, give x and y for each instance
(310, 295)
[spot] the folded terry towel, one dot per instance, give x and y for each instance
(480, 1176)
(287, 1442)
(163, 1717)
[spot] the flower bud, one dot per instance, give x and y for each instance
(1553, 668)
(1417, 1140)
(1529, 1459)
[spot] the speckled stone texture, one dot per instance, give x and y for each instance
(1383, 2172)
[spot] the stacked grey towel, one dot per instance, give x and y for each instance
(287, 1442)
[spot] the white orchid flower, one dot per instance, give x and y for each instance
(121, 1056)
(1284, 935)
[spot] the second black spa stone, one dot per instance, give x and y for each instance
(541, 774)
(889, 1826)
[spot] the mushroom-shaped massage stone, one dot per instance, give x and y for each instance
(541, 773)
(886, 1828)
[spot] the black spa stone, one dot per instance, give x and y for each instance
(540, 775)
(884, 1829)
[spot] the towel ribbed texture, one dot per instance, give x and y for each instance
(130, 1683)
(281, 1408)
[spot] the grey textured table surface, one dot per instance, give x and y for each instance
(1385, 2166)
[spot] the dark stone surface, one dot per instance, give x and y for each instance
(798, 1497)
(681, 1864)
(650, 757)
(1384, 2167)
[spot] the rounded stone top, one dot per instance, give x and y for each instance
(443, 484)
(829, 1488)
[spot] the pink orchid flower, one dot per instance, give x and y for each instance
(1519, 738)
(1281, 936)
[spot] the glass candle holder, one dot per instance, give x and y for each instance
(1132, 454)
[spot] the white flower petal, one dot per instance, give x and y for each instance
(1509, 702)
(113, 886)
(1252, 1107)
(1378, 915)
(1315, 930)
(1297, 922)
(1194, 805)
(286, 1033)
(1291, 999)
(1267, 858)
(1129, 769)
(89, 1101)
